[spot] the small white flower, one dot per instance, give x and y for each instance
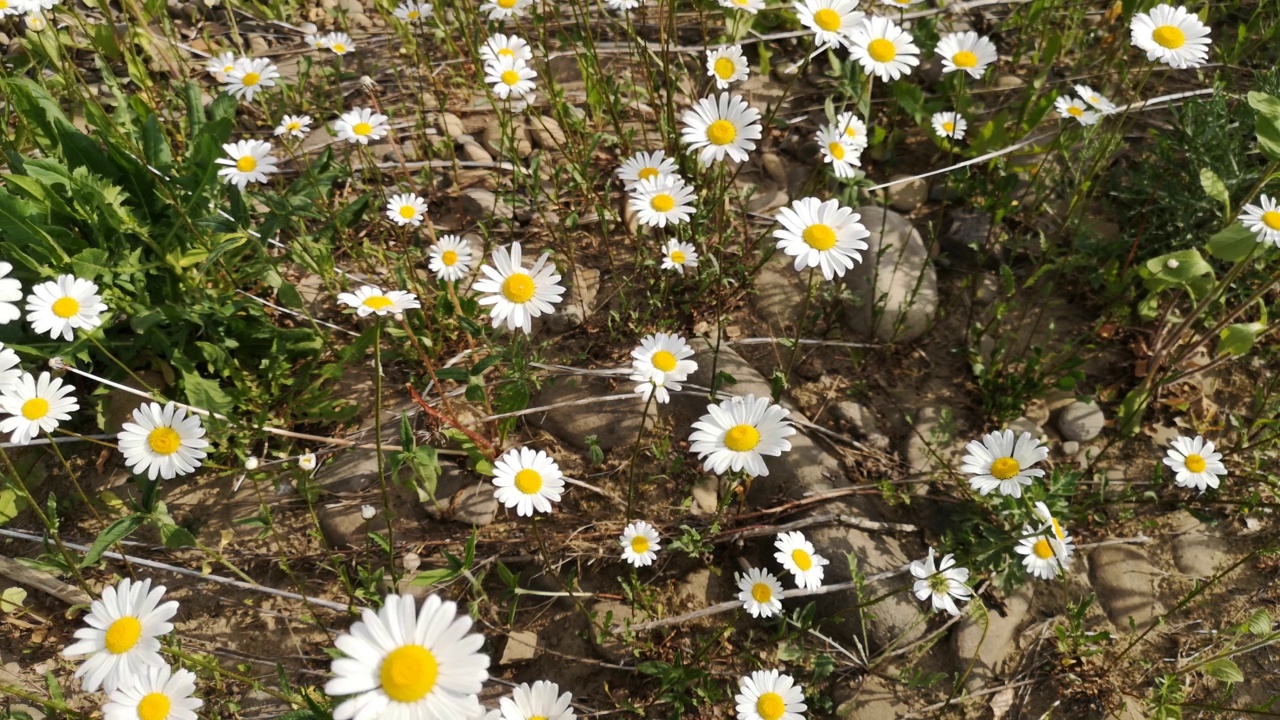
(1096, 99)
(769, 695)
(510, 77)
(1172, 36)
(221, 65)
(450, 258)
(662, 200)
(1193, 461)
(247, 161)
(360, 125)
(839, 151)
(10, 368)
(640, 544)
(832, 21)
(411, 11)
(664, 356)
(369, 300)
(727, 65)
(736, 433)
(121, 637)
(36, 22)
(162, 442)
(500, 46)
(854, 129)
(503, 9)
(678, 255)
(156, 693)
(60, 307)
(294, 126)
(949, 125)
(10, 294)
(751, 7)
(527, 481)
(944, 584)
(307, 461)
(35, 406)
(252, 463)
(966, 52)
(883, 49)
(339, 42)
(540, 701)
(368, 512)
(518, 295)
(317, 42)
(248, 77)
(1046, 551)
(821, 234)
(719, 126)
(406, 209)
(760, 593)
(646, 166)
(1003, 463)
(1262, 220)
(622, 5)
(797, 555)
(1075, 108)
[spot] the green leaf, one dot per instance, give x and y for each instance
(1224, 670)
(1238, 339)
(1216, 189)
(11, 599)
(114, 533)
(1185, 269)
(1132, 409)
(1267, 108)
(1260, 623)
(1233, 243)
(428, 578)
(206, 394)
(176, 536)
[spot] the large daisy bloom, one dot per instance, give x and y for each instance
(821, 234)
(120, 641)
(294, 126)
(369, 300)
(797, 555)
(450, 258)
(1172, 36)
(510, 77)
(162, 441)
(1002, 462)
(646, 166)
(518, 295)
(949, 125)
(1262, 220)
(413, 666)
(665, 356)
(1193, 461)
(500, 46)
(247, 161)
(35, 405)
(678, 255)
(661, 201)
(10, 293)
(503, 9)
(248, 76)
(737, 433)
(760, 593)
(727, 65)
(410, 11)
(339, 42)
(360, 125)
(540, 701)
(966, 52)
(60, 307)
(832, 21)
(1075, 108)
(719, 126)
(854, 129)
(639, 543)
(943, 583)
(1096, 99)
(769, 695)
(527, 481)
(839, 151)
(155, 694)
(883, 49)
(406, 209)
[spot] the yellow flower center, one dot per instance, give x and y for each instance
(123, 635)
(154, 706)
(1169, 36)
(413, 14)
(721, 132)
(510, 77)
(506, 52)
(294, 126)
(647, 173)
(770, 706)
(65, 307)
(4, 5)
(881, 50)
(1043, 549)
(338, 48)
(837, 150)
(407, 212)
(851, 131)
(761, 593)
(741, 438)
(228, 68)
(677, 257)
(662, 202)
(518, 288)
(820, 237)
(377, 302)
(449, 257)
(664, 361)
(1271, 219)
(408, 673)
(250, 79)
(964, 59)
(802, 559)
(1074, 111)
(35, 408)
(639, 544)
(1195, 463)
(827, 19)
(949, 128)
(1005, 468)
(528, 481)
(362, 129)
(506, 4)
(724, 68)
(247, 164)
(164, 440)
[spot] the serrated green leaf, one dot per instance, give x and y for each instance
(115, 532)
(1225, 670)
(206, 394)
(176, 536)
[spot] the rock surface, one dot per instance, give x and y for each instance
(779, 292)
(1198, 551)
(907, 196)
(988, 653)
(344, 527)
(578, 303)
(1081, 421)
(1125, 580)
(615, 423)
(895, 288)
(521, 645)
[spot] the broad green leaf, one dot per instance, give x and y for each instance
(1216, 189)
(1233, 243)
(1132, 409)
(1268, 123)
(11, 599)
(1238, 339)
(1224, 670)
(206, 394)
(175, 536)
(1260, 623)
(114, 533)
(1185, 268)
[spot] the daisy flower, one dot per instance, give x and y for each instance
(307, 461)
(854, 129)
(769, 695)
(821, 234)
(727, 65)
(1075, 108)
(410, 11)
(503, 9)
(678, 255)
(536, 702)
(622, 5)
(1096, 99)
(60, 307)
(944, 583)
(10, 293)
(1262, 220)
(360, 125)
(402, 664)
(760, 593)
(1000, 462)
(639, 544)
(164, 442)
(751, 7)
(247, 161)
(796, 554)
(222, 64)
(949, 125)
(839, 151)
(294, 126)
(662, 200)
(248, 77)
(901, 3)
(832, 21)
(510, 77)
(317, 42)
(738, 432)
(527, 481)
(10, 368)
(370, 299)
(450, 258)
(655, 387)
(339, 42)
(500, 46)
(406, 209)
(883, 49)
(721, 125)
(1172, 36)
(1193, 461)
(664, 356)
(966, 52)
(36, 22)
(517, 295)
(8, 8)
(35, 405)
(155, 694)
(120, 641)
(1047, 551)
(645, 166)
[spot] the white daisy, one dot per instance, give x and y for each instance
(622, 5)
(1172, 36)
(883, 49)
(248, 77)
(411, 11)
(738, 432)
(36, 22)
(678, 255)
(663, 200)
(839, 151)
(760, 593)
(369, 300)
(307, 461)
(527, 481)
(407, 665)
(294, 126)
(646, 166)
(944, 583)
(156, 693)
(721, 125)
(10, 293)
(901, 3)
(1046, 551)
(517, 295)
(540, 701)
(121, 638)
(317, 42)
(665, 356)
(8, 7)
(832, 21)
(967, 52)
(500, 46)
(511, 77)
(450, 258)
(640, 544)
(35, 405)
(1193, 461)
(1075, 108)
(751, 7)
(854, 129)
(949, 125)
(10, 368)
(60, 307)
(659, 388)
(769, 695)
(406, 209)
(221, 65)
(1262, 220)
(1096, 99)
(503, 9)
(360, 125)
(821, 234)
(247, 161)
(164, 442)
(727, 65)
(796, 554)
(1000, 462)
(339, 42)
